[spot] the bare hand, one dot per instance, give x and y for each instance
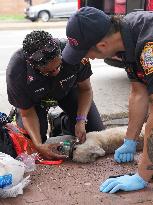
(50, 151)
(80, 131)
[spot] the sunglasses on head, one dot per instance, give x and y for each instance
(49, 51)
(40, 54)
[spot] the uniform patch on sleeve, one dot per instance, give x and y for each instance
(84, 61)
(146, 58)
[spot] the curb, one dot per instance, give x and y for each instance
(31, 25)
(114, 120)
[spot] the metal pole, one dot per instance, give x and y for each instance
(30, 2)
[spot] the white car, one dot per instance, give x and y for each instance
(51, 9)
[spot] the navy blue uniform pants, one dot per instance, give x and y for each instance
(69, 105)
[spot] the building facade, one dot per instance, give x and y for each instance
(8, 7)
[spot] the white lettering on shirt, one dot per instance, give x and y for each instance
(39, 90)
(65, 80)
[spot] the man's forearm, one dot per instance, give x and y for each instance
(138, 109)
(145, 168)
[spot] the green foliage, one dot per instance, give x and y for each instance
(11, 17)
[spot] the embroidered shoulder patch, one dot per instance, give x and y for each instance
(84, 61)
(146, 58)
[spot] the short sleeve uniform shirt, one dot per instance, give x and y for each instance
(137, 35)
(26, 87)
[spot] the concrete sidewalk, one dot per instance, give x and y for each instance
(106, 82)
(31, 25)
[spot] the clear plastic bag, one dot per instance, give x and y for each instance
(28, 160)
(12, 179)
(14, 191)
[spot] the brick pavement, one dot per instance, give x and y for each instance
(15, 7)
(78, 184)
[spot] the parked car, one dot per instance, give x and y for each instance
(51, 9)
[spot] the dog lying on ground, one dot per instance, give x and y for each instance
(98, 144)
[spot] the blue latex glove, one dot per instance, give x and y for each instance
(125, 183)
(126, 152)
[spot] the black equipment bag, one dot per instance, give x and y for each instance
(59, 124)
(6, 144)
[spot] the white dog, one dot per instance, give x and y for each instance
(98, 144)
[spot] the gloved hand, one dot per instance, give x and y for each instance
(125, 183)
(126, 152)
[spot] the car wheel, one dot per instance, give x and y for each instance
(44, 16)
(33, 20)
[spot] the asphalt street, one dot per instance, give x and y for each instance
(110, 84)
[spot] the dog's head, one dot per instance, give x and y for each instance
(84, 153)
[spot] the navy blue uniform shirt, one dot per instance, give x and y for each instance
(26, 87)
(137, 35)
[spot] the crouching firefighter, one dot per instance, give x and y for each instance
(37, 73)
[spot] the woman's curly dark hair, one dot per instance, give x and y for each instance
(35, 41)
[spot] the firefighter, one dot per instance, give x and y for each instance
(37, 73)
(93, 34)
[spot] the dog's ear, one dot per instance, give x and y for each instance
(97, 150)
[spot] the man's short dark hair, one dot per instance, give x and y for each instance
(115, 25)
(37, 40)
